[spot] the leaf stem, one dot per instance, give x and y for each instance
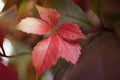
(3, 51)
(13, 56)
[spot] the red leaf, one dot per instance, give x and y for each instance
(70, 31)
(2, 35)
(7, 73)
(33, 25)
(45, 54)
(69, 51)
(49, 15)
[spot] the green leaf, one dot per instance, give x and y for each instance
(70, 12)
(95, 5)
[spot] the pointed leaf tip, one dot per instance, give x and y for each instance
(50, 15)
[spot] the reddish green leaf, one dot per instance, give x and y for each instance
(70, 31)
(45, 54)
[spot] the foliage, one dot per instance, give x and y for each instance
(76, 39)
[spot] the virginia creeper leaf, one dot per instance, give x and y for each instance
(70, 31)
(70, 12)
(47, 51)
(33, 25)
(69, 51)
(49, 15)
(45, 54)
